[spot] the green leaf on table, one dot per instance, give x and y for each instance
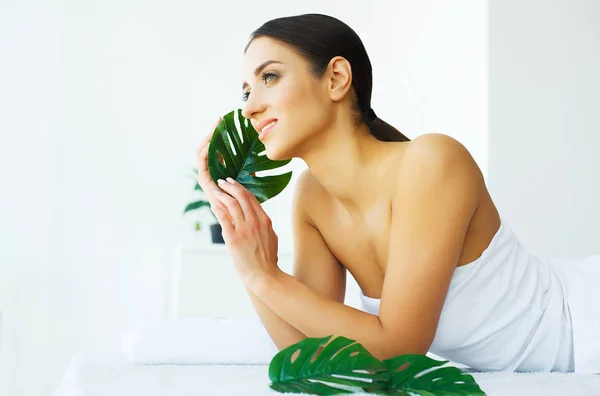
(243, 155)
(407, 376)
(343, 366)
(343, 362)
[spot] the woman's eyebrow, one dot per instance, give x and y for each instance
(259, 69)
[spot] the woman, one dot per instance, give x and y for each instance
(411, 220)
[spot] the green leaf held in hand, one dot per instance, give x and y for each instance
(235, 154)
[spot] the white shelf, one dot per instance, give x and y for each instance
(208, 247)
(204, 282)
(199, 247)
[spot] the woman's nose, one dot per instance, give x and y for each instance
(253, 106)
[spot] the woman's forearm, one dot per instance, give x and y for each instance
(317, 316)
(281, 332)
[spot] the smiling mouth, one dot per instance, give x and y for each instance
(266, 129)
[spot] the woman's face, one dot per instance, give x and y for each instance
(278, 87)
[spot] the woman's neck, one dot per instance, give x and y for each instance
(350, 163)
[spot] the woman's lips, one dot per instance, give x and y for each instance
(266, 130)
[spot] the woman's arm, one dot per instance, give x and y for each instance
(314, 265)
(436, 195)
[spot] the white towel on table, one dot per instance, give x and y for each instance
(200, 340)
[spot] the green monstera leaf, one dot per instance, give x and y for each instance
(300, 368)
(407, 376)
(239, 155)
(344, 366)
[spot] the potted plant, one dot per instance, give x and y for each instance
(238, 153)
(216, 232)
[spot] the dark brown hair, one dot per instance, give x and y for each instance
(319, 38)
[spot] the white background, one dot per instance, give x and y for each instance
(102, 104)
(544, 167)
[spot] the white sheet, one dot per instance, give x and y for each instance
(89, 375)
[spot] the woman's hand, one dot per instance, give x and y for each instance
(204, 179)
(247, 231)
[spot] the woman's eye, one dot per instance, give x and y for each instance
(268, 77)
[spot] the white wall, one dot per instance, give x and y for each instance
(544, 126)
(430, 69)
(102, 105)
(31, 299)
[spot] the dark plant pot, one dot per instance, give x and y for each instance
(216, 233)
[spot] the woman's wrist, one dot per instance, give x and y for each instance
(262, 280)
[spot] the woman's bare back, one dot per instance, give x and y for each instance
(359, 239)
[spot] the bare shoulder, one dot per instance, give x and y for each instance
(437, 147)
(308, 193)
(439, 155)
(307, 185)
(435, 164)
(306, 180)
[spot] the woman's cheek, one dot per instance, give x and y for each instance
(286, 97)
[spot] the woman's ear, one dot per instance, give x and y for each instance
(339, 74)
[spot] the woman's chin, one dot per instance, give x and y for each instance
(275, 154)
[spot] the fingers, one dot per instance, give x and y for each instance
(232, 207)
(241, 194)
(208, 137)
(225, 221)
(216, 123)
(206, 141)
(240, 212)
(246, 200)
(204, 178)
(202, 160)
(215, 206)
(202, 150)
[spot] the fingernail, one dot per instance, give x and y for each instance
(220, 181)
(230, 180)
